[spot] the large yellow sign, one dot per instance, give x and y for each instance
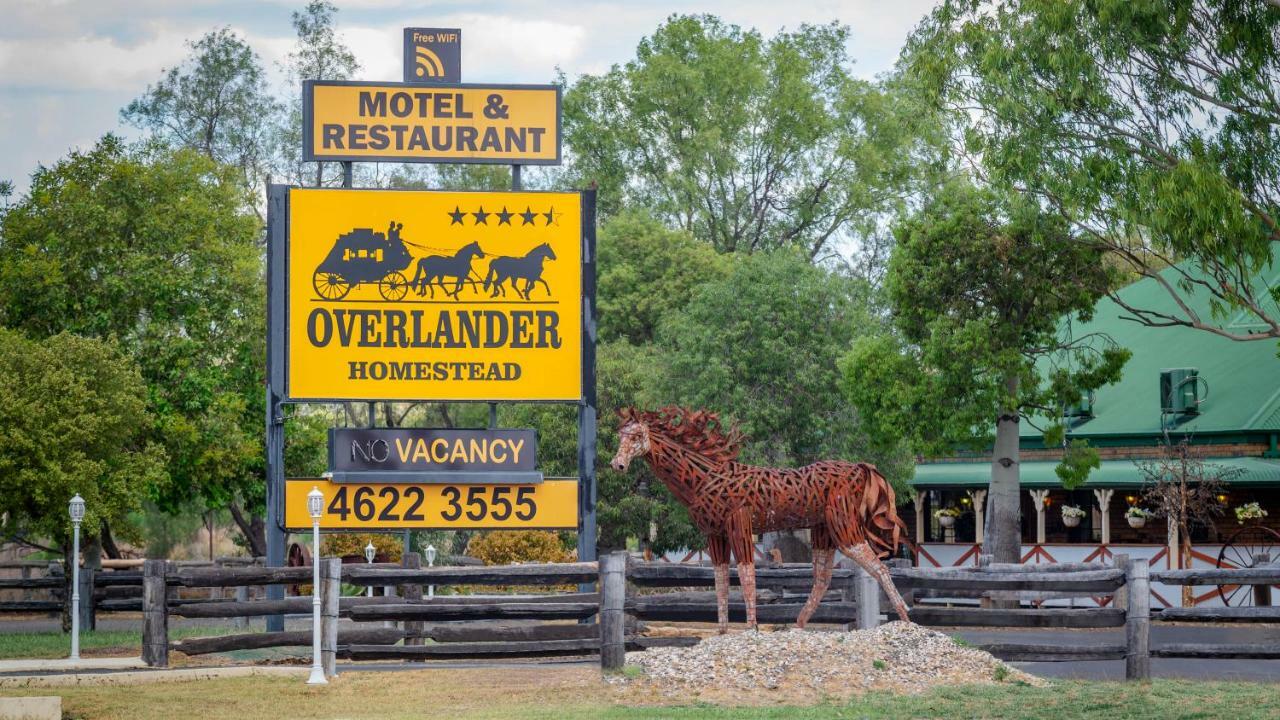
(548, 505)
(396, 122)
(406, 295)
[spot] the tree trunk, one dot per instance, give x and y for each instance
(109, 542)
(253, 529)
(1003, 539)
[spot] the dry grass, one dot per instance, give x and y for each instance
(535, 692)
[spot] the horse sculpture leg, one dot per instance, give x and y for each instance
(739, 531)
(824, 556)
(718, 548)
(866, 558)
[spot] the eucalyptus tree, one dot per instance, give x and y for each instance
(216, 102)
(748, 143)
(1154, 127)
(978, 289)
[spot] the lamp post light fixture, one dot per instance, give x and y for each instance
(369, 552)
(75, 509)
(315, 507)
(431, 562)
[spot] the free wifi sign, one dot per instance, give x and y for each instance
(432, 55)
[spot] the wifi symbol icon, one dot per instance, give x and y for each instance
(428, 64)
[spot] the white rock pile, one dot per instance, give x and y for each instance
(751, 667)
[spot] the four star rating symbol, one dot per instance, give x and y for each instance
(480, 216)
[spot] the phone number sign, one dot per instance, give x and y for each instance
(549, 505)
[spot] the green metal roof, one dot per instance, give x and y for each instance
(1243, 378)
(1112, 473)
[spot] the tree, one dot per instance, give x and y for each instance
(1153, 127)
(215, 102)
(73, 419)
(760, 345)
(749, 144)
(153, 248)
(979, 290)
(318, 55)
(647, 272)
(1183, 489)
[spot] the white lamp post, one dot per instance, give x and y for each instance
(315, 507)
(369, 552)
(76, 510)
(431, 562)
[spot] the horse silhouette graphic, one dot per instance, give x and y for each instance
(434, 268)
(527, 268)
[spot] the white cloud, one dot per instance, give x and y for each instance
(67, 66)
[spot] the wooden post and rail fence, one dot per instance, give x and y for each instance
(634, 594)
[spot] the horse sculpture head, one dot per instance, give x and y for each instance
(473, 248)
(546, 250)
(698, 431)
(633, 439)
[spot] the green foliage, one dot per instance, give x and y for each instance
(319, 54)
(746, 142)
(157, 250)
(1150, 125)
(761, 346)
(979, 289)
(215, 102)
(387, 548)
(646, 272)
(73, 419)
(503, 547)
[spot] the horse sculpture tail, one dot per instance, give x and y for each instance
(488, 279)
(878, 512)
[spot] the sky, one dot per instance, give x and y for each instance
(68, 66)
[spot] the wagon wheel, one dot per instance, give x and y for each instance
(393, 286)
(1239, 551)
(330, 285)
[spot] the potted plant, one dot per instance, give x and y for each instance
(1137, 516)
(947, 516)
(1249, 511)
(1071, 515)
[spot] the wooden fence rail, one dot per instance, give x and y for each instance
(464, 627)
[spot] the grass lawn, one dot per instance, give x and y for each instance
(532, 693)
(100, 643)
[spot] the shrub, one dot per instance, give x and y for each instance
(503, 547)
(389, 547)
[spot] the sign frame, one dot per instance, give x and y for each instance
(274, 416)
(279, 301)
(308, 116)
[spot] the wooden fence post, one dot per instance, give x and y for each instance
(155, 614)
(613, 599)
(1137, 628)
(1120, 600)
(88, 614)
(1261, 593)
(867, 597)
(242, 595)
(330, 592)
(413, 593)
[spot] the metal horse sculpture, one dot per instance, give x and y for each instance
(846, 506)
(434, 268)
(527, 268)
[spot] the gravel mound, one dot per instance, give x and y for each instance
(797, 666)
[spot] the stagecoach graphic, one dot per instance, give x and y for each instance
(364, 256)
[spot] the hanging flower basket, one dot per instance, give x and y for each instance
(1137, 517)
(1071, 515)
(947, 516)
